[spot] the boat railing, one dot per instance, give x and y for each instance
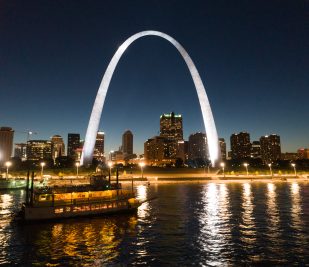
(74, 198)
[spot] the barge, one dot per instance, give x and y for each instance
(98, 198)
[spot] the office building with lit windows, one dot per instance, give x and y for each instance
(240, 145)
(6, 143)
(270, 148)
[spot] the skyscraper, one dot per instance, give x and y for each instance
(197, 147)
(6, 143)
(39, 149)
(127, 143)
(73, 144)
(98, 152)
(270, 148)
(58, 146)
(171, 126)
(171, 129)
(20, 151)
(240, 145)
(222, 145)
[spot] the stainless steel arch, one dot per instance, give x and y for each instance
(93, 126)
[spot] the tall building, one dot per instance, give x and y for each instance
(197, 147)
(58, 146)
(303, 153)
(270, 148)
(256, 149)
(98, 152)
(222, 145)
(73, 144)
(171, 129)
(39, 149)
(182, 150)
(240, 145)
(20, 151)
(127, 143)
(171, 126)
(6, 143)
(157, 151)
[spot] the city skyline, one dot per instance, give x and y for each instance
(255, 75)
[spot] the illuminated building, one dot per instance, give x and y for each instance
(240, 145)
(270, 148)
(222, 145)
(73, 144)
(303, 153)
(171, 129)
(20, 151)
(256, 149)
(289, 156)
(98, 152)
(182, 150)
(95, 117)
(6, 143)
(39, 149)
(127, 143)
(157, 151)
(58, 146)
(197, 147)
(171, 126)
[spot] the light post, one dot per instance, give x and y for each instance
(77, 166)
(110, 164)
(270, 169)
(222, 164)
(7, 164)
(246, 166)
(294, 167)
(42, 169)
(142, 164)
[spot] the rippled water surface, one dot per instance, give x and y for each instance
(208, 224)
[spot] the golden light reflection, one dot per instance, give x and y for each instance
(214, 220)
(5, 204)
(272, 212)
(247, 227)
(141, 191)
(295, 207)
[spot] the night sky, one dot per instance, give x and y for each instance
(251, 55)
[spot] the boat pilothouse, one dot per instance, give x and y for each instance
(98, 197)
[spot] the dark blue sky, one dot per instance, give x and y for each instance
(252, 57)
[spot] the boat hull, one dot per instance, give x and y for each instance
(70, 211)
(12, 184)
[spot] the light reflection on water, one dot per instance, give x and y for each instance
(211, 224)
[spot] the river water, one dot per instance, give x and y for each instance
(189, 224)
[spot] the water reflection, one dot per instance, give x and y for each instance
(295, 207)
(247, 227)
(6, 202)
(214, 220)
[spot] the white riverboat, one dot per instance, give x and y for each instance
(99, 197)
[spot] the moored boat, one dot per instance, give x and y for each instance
(99, 197)
(12, 183)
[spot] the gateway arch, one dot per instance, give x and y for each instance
(93, 126)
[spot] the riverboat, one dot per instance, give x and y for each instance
(12, 183)
(97, 198)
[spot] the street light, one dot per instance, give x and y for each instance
(246, 166)
(42, 165)
(222, 164)
(142, 164)
(270, 169)
(7, 164)
(110, 164)
(294, 167)
(77, 165)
